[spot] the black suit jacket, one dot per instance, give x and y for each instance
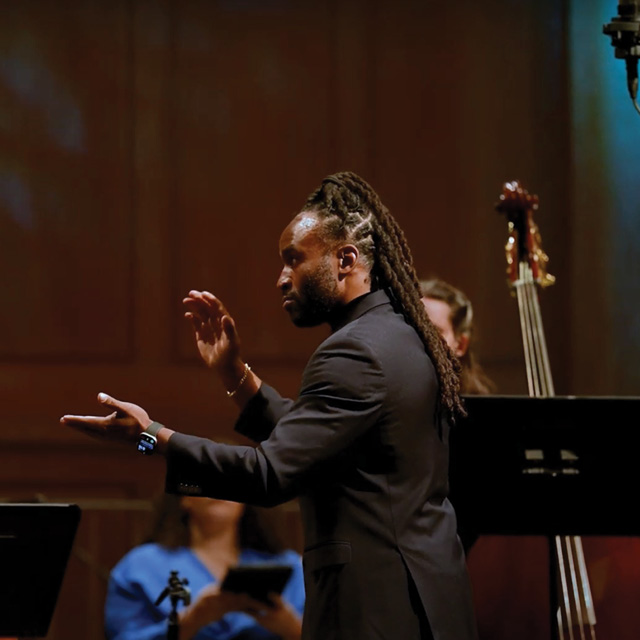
(366, 452)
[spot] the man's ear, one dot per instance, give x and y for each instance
(347, 258)
(462, 344)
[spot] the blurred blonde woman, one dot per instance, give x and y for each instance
(451, 312)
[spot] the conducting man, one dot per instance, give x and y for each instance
(364, 446)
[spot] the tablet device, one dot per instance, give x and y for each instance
(257, 580)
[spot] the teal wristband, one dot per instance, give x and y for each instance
(153, 428)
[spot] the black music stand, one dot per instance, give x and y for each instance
(35, 543)
(563, 465)
(559, 466)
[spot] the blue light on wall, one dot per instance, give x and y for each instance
(606, 144)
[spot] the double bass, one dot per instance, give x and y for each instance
(526, 271)
(529, 583)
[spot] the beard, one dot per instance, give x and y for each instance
(316, 299)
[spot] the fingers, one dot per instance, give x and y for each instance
(204, 306)
(255, 608)
(108, 401)
(123, 409)
(229, 327)
(210, 319)
(98, 423)
(90, 423)
(275, 599)
(124, 423)
(101, 427)
(197, 322)
(211, 590)
(205, 299)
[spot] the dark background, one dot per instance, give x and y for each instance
(149, 147)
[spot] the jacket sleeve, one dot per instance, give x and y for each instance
(262, 413)
(343, 392)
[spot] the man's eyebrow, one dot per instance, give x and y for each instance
(290, 250)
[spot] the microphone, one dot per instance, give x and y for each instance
(624, 30)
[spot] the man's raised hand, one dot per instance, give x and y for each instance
(219, 345)
(215, 331)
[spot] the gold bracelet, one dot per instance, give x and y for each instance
(247, 368)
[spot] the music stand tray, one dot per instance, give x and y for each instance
(564, 465)
(35, 543)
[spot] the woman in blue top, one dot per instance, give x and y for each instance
(201, 539)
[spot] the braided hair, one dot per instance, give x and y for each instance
(352, 211)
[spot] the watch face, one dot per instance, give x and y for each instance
(146, 443)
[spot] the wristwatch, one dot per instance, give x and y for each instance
(148, 441)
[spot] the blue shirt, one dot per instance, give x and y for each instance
(141, 576)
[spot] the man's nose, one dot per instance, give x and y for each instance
(284, 281)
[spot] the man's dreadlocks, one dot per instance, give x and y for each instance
(352, 211)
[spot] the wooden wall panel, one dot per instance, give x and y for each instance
(458, 106)
(250, 137)
(66, 181)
